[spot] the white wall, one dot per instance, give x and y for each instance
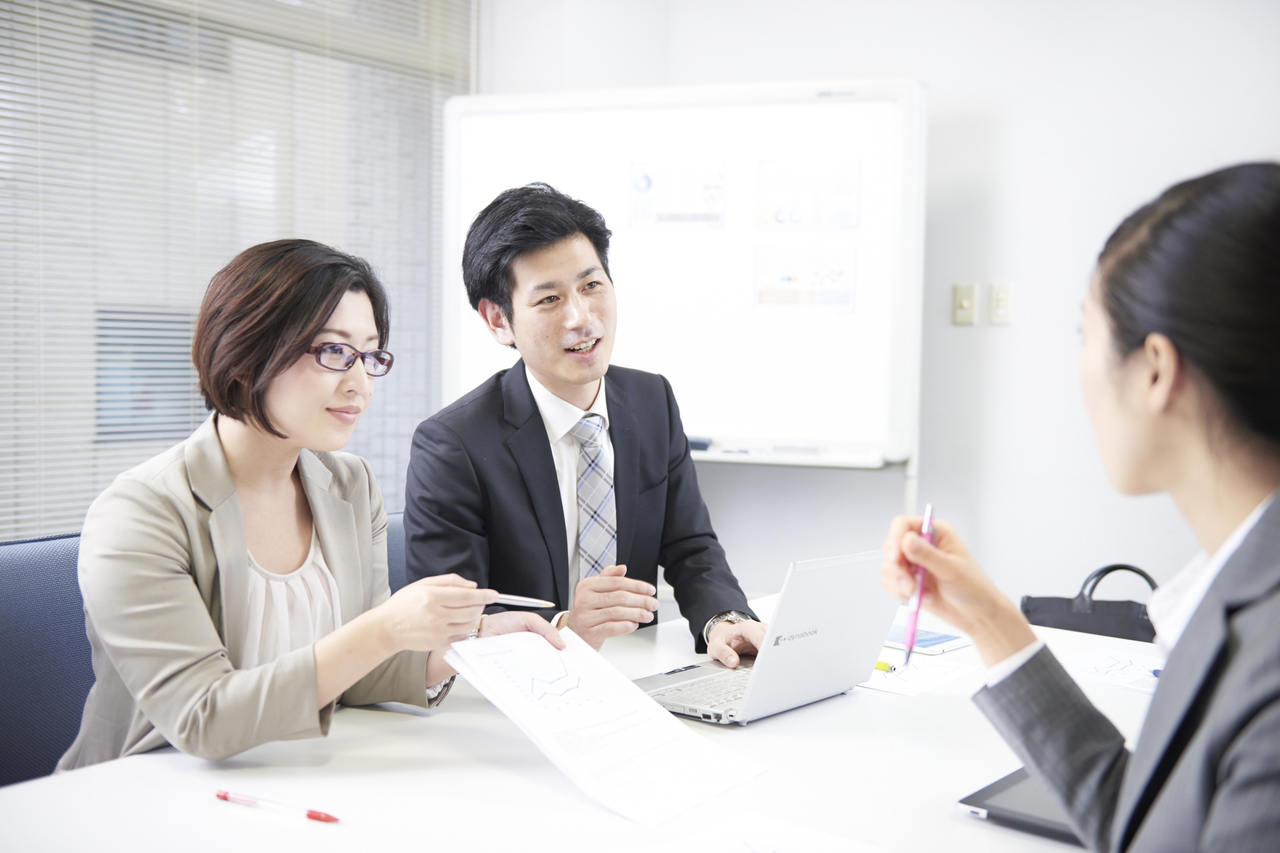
(1047, 124)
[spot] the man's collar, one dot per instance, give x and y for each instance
(558, 415)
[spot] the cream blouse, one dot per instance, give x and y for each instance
(291, 611)
(288, 612)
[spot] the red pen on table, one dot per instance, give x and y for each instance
(909, 641)
(259, 802)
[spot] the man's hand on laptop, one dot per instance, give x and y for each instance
(728, 640)
(611, 604)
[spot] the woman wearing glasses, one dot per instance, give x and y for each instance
(235, 586)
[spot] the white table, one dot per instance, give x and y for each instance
(872, 767)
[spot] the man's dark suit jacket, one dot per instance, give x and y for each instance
(482, 498)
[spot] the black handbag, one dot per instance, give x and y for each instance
(1125, 619)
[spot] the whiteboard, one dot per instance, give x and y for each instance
(766, 255)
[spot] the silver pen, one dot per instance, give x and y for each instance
(522, 601)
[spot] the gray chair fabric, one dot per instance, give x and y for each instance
(46, 668)
(395, 550)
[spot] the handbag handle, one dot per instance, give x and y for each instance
(1083, 602)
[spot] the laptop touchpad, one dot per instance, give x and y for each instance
(673, 677)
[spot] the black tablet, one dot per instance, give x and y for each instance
(1020, 801)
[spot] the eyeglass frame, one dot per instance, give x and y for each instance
(360, 356)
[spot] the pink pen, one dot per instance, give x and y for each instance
(909, 641)
(259, 802)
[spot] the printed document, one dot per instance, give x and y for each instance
(1132, 672)
(612, 741)
(924, 673)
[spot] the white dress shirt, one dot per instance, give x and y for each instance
(559, 416)
(1172, 604)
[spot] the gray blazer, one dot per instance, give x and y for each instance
(1205, 774)
(163, 570)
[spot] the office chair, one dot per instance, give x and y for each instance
(395, 551)
(45, 662)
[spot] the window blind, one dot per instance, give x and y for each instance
(144, 144)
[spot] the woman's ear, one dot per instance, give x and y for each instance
(1164, 372)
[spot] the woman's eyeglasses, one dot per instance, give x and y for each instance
(335, 356)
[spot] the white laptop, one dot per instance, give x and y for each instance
(828, 629)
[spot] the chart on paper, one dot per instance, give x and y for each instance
(614, 742)
(920, 676)
(1132, 672)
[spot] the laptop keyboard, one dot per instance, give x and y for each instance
(708, 692)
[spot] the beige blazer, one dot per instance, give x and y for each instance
(164, 573)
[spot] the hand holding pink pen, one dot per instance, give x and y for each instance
(913, 605)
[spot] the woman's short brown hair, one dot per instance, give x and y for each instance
(261, 313)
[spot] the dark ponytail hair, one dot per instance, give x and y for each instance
(1201, 265)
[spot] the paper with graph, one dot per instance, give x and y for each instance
(1132, 672)
(923, 674)
(612, 741)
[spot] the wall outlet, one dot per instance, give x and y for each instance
(1002, 304)
(964, 304)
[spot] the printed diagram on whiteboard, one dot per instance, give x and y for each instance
(807, 226)
(677, 195)
(791, 198)
(821, 276)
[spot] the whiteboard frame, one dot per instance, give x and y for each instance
(904, 406)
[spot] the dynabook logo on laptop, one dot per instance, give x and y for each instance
(777, 641)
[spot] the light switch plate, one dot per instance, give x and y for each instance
(1002, 304)
(964, 304)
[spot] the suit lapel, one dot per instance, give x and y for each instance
(1185, 678)
(211, 483)
(335, 524)
(531, 448)
(623, 432)
(1190, 674)
(333, 517)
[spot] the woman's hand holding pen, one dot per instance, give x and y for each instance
(433, 613)
(426, 616)
(956, 589)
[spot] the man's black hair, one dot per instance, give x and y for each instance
(517, 222)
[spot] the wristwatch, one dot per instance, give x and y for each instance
(733, 617)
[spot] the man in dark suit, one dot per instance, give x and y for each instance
(551, 479)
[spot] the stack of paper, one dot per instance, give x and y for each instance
(611, 740)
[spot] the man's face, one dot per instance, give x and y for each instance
(563, 317)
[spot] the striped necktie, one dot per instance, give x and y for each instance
(597, 515)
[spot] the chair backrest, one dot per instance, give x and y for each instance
(395, 550)
(46, 666)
